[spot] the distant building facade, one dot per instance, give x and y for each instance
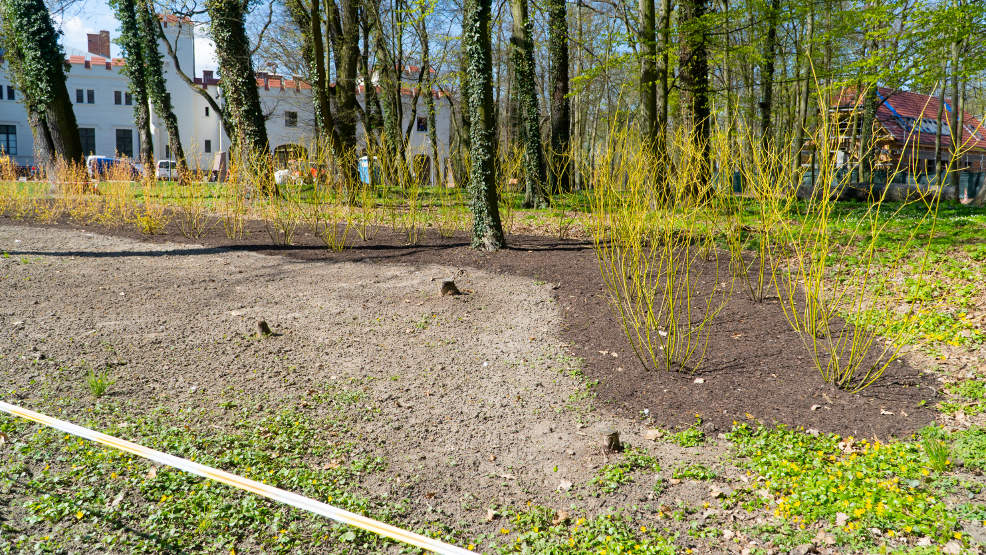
(105, 112)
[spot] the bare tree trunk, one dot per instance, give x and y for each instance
(694, 78)
(648, 72)
(805, 93)
(561, 119)
(767, 73)
(956, 131)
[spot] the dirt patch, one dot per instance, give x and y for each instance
(756, 365)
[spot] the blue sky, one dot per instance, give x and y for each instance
(92, 16)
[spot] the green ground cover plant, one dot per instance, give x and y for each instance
(847, 484)
(544, 530)
(138, 506)
(611, 476)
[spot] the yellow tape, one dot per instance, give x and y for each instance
(239, 482)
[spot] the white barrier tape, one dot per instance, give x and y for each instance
(240, 482)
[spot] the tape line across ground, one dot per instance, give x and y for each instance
(239, 482)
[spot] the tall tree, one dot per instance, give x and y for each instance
(956, 123)
(308, 17)
(37, 65)
(648, 71)
(663, 73)
(487, 231)
(561, 111)
(522, 60)
(767, 72)
(153, 70)
(694, 79)
(343, 23)
(388, 78)
(239, 82)
(133, 52)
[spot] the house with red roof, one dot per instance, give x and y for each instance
(906, 130)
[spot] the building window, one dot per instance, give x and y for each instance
(79, 96)
(422, 124)
(125, 142)
(90, 96)
(206, 111)
(290, 119)
(208, 145)
(117, 97)
(8, 140)
(87, 136)
(128, 99)
(10, 92)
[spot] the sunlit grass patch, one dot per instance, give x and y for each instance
(848, 484)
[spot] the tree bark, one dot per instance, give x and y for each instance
(694, 78)
(956, 131)
(239, 84)
(36, 63)
(648, 72)
(767, 74)
(522, 58)
(133, 52)
(561, 111)
(487, 231)
(157, 89)
(938, 127)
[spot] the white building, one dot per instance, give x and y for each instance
(104, 108)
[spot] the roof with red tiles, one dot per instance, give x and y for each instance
(911, 119)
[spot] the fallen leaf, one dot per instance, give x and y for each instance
(564, 485)
(490, 515)
(152, 473)
(560, 517)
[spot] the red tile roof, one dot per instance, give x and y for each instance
(911, 118)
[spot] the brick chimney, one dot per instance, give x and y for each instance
(99, 44)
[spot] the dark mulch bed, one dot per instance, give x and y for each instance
(756, 366)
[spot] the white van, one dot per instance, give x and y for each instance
(166, 169)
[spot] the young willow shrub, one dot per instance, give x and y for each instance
(649, 229)
(837, 257)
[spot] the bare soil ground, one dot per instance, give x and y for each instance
(476, 401)
(490, 399)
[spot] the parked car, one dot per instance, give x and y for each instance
(102, 167)
(166, 169)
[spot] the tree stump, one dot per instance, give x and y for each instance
(449, 288)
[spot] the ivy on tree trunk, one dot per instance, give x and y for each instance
(487, 231)
(37, 65)
(522, 59)
(157, 90)
(239, 84)
(131, 44)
